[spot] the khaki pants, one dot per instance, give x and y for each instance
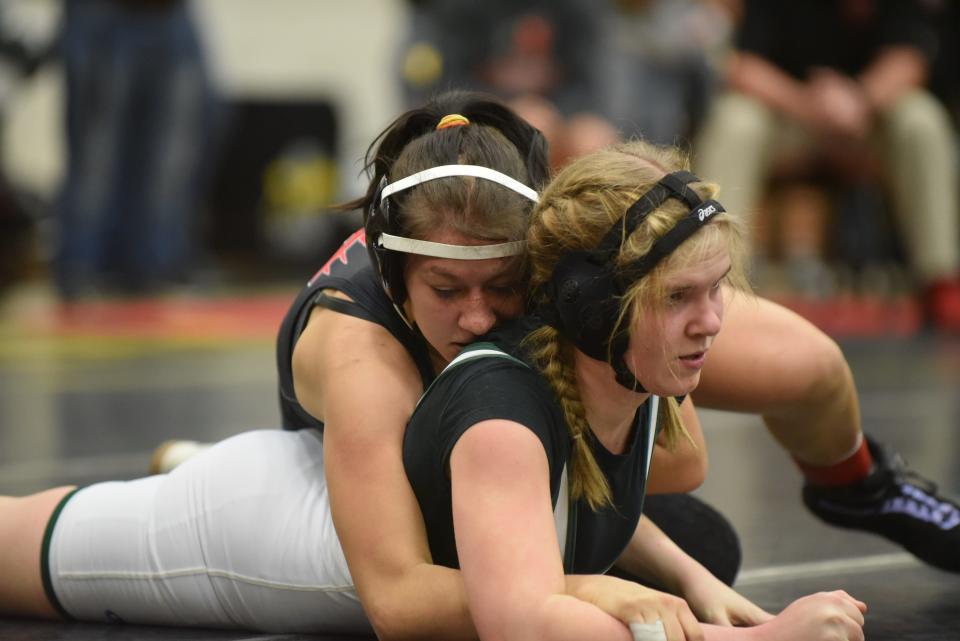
(914, 138)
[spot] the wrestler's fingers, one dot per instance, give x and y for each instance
(862, 606)
(680, 625)
(691, 627)
(854, 608)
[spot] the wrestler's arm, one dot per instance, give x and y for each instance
(357, 378)
(822, 616)
(653, 556)
(501, 493)
(818, 617)
(508, 550)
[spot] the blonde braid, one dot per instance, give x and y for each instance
(554, 357)
(673, 428)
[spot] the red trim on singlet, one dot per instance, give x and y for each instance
(358, 236)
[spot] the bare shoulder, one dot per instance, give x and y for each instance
(337, 355)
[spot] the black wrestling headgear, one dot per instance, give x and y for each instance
(585, 289)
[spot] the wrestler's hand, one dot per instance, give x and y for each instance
(713, 601)
(833, 616)
(633, 603)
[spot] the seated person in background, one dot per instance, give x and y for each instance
(847, 77)
(544, 58)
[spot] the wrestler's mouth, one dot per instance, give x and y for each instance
(694, 360)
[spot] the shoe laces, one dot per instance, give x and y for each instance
(897, 473)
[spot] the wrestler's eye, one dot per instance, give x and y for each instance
(444, 292)
(677, 296)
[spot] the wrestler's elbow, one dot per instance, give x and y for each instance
(680, 470)
(412, 609)
(691, 472)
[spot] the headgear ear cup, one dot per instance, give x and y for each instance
(585, 298)
(380, 219)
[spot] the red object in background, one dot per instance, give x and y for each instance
(251, 317)
(533, 36)
(942, 302)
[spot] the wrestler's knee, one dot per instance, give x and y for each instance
(826, 373)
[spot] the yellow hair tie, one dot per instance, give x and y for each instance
(452, 120)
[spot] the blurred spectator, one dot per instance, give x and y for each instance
(20, 57)
(138, 122)
(544, 57)
(845, 78)
(663, 66)
(945, 75)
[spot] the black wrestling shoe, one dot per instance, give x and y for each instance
(896, 503)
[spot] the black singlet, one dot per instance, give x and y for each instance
(350, 272)
(501, 388)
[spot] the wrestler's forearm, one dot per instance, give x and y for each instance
(424, 602)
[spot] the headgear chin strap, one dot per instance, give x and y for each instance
(584, 292)
(386, 246)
